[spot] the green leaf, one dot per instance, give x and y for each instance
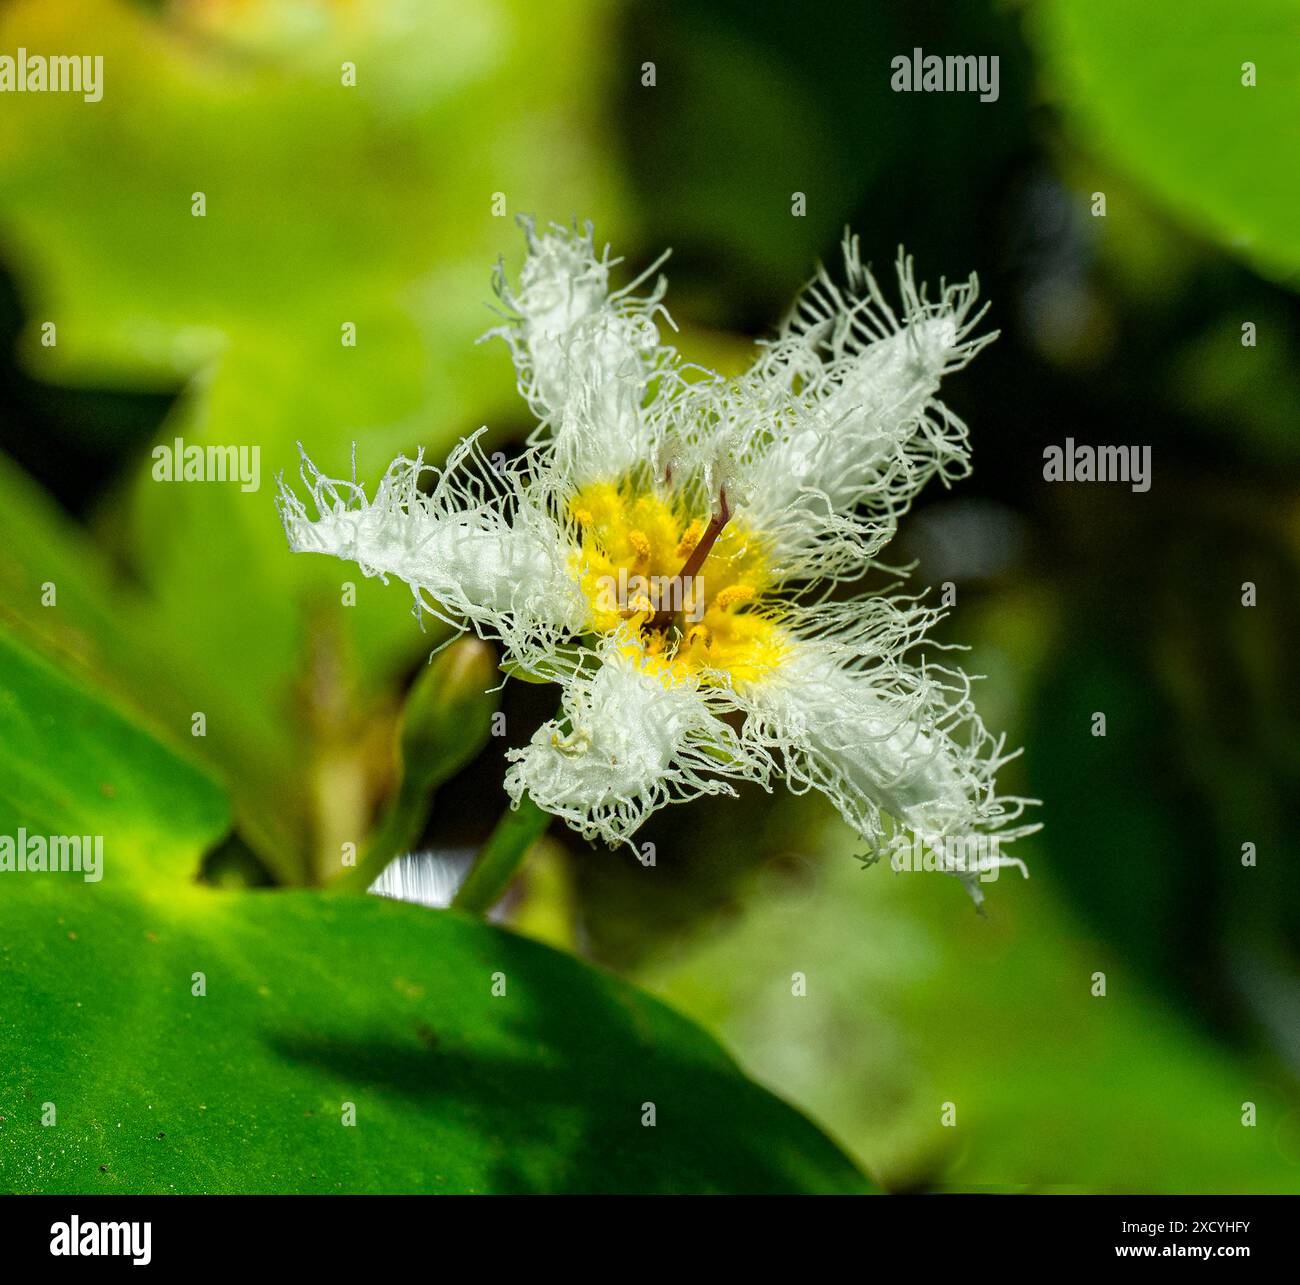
(1157, 89)
(313, 1001)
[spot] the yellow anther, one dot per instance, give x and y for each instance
(690, 538)
(577, 741)
(701, 634)
(640, 545)
(582, 517)
(733, 594)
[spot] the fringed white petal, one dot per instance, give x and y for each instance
(885, 740)
(584, 356)
(629, 741)
(472, 548)
(836, 427)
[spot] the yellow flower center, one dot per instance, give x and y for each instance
(634, 546)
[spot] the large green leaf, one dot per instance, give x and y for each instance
(314, 1001)
(1158, 88)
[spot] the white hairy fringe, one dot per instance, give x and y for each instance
(593, 441)
(584, 357)
(820, 447)
(848, 714)
(629, 741)
(828, 324)
(474, 547)
(829, 436)
(882, 737)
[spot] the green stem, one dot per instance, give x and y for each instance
(500, 857)
(396, 834)
(446, 721)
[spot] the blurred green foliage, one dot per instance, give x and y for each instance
(325, 205)
(911, 1004)
(1199, 103)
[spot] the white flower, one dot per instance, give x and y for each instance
(658, 551)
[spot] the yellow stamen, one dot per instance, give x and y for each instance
(690, 538)
(627, 532)
(733, 594)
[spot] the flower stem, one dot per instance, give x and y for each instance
(395, 835)
(446, 721)
(500, 857)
